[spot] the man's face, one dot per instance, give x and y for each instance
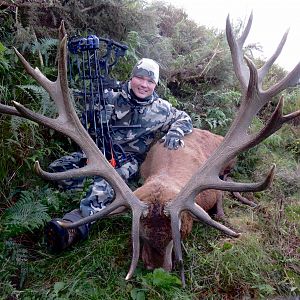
(142, 86)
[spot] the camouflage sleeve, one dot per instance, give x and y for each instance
(177, 122)
(110, 96)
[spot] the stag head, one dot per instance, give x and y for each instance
(237, 140)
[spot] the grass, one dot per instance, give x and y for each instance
(263, 263)
(94, 269)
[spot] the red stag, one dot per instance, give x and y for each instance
(164, 207)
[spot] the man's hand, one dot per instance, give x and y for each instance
(172, 140)
(106, 113)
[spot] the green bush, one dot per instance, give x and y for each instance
(197, 76)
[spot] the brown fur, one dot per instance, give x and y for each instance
(165, 173)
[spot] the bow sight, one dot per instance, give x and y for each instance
(90, 61)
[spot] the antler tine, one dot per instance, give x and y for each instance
(62, 30)
(241, 70)
(9, 110)
(35, 73)
(69, 124)
(268, 64)
(238, 138)
(135, 228)
(241, 40)
(291, 79)
(236, 48)
(274, 123)
(175, 208)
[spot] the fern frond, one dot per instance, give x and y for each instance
(37, 92)
(44, 46)
(27, 213)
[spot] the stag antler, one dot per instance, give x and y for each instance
(238, 138)
(69, 124)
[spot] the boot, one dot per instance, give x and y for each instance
(59, 238)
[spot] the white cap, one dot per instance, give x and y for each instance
(146, 67)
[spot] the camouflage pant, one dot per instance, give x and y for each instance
(100, 193)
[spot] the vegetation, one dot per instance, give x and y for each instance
(196, 76)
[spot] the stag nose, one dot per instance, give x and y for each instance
(157, 258)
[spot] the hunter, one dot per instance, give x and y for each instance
(142, 118)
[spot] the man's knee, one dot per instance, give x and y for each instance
(73, 161)
(99, 196)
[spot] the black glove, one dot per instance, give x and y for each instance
(172, 140)
(106, 113)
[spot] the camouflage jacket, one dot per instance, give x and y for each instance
(154, 115)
